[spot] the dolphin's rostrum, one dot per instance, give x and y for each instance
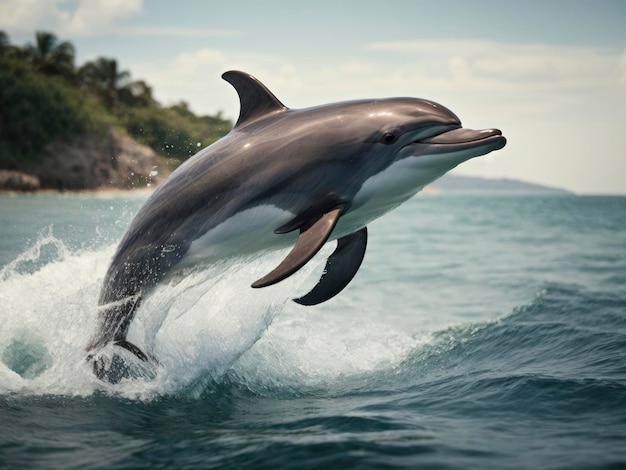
(322, 173)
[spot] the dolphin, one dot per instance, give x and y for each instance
(282, 177)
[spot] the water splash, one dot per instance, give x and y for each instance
(201, 326)
(46, 249)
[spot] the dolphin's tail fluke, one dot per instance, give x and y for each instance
(111, 366)
(114, 366)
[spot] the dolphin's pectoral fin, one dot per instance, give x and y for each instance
(341, 267)
(310, 241)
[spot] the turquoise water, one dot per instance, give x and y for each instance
(483, 331)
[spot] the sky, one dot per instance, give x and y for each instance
(550, 74)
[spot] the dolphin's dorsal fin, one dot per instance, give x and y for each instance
(255, 99)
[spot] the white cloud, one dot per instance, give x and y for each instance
(94, 16)
(81, 18)
(26, 15)
(91, 18)
(485, 64)
(164, 31)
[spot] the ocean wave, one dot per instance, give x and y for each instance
(559, 353)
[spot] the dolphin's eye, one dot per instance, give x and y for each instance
(388, 138)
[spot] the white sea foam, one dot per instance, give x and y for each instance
(199, 326)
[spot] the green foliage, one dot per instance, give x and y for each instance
(174, 132)
(43, 97)
(36, 109)
(51, 56)
(103, 78)
(4, 43)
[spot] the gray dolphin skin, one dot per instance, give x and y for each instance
(282, 177)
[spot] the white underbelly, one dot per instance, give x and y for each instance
(247, 232)
(382, 193)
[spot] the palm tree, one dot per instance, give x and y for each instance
(51, 56)
(104, 78)
(113, 85)
(4, 43)
(10, 51)
(137, 93)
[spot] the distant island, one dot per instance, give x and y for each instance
(460, 183)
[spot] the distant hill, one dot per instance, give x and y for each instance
(458, 183)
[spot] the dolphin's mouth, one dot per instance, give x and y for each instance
(487, 140)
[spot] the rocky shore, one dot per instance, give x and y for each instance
(11, 180)
(109, 161)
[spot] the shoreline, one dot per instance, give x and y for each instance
(104, 191)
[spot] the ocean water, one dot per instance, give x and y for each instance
(482, 331)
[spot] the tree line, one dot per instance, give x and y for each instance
(44, 96)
